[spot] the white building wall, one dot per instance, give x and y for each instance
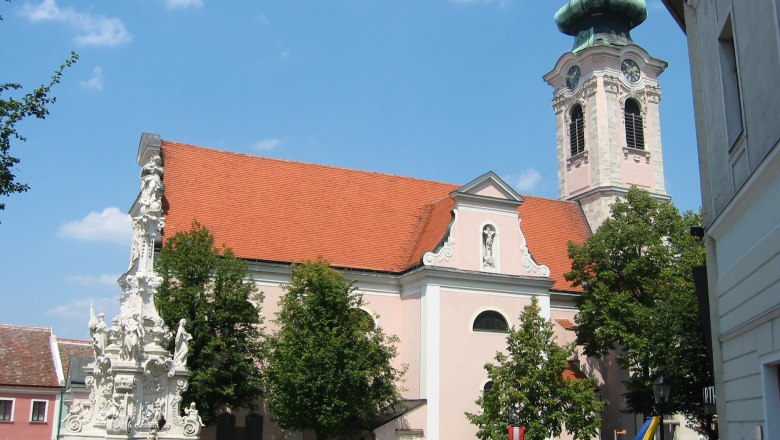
(741, 188)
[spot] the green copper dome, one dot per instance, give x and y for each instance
(600, 21)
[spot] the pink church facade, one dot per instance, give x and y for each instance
(434, 262)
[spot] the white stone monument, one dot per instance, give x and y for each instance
(135, 383)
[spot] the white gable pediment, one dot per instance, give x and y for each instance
(485, 234)
(488, 187)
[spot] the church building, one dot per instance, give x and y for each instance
(447, 268)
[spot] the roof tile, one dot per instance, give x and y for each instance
(26, 357)
(286, 211)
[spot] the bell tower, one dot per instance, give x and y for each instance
(606, 99)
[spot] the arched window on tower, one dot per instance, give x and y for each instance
(635, 134)
(576, 130)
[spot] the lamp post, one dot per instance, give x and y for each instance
(662, 389)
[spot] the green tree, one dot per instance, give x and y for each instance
(12, 111)
(529, 389)
(210, 290)
(328, 368)
(640, 300)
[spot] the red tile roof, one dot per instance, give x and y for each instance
(26, 357)
(574, 371)
(286, 211)
(549, 226)
(565, 323)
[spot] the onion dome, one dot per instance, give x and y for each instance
(595, 22)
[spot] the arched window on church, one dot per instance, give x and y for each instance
(365, 320)
(490, 321)
(576, 130)
(635, 134)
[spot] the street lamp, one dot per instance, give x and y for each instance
(662, 389)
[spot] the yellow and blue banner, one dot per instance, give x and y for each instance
(647, 431)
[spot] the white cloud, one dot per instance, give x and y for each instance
(96, 81)
(266, 144)
(109, 225)
(525, 181)
(92, 30)
(93, 280)
(183, 4)
(78, 309)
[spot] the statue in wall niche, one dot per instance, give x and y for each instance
(488, 242)
(182, 345)
(151, 185)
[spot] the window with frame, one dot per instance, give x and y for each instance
(38, 411)
(729, 73)
(635, 132)
(490, 321)
(576, 130)
(6, 410)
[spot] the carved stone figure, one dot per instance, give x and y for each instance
(134, 385)
(192, 414)
(182, 345)
(151, 186)
(488, 241)
(133, 335)
(99, 333)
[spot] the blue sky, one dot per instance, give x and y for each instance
(444, 90)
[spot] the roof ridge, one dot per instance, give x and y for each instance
(27, 327)
(312, 164)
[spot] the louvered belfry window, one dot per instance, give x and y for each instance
(577, 130)
(635, 134)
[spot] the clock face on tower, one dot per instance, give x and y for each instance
(630, 70)
(573, 77)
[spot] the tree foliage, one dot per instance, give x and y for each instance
(529, 389)
(640, 299)
(12, 111)
(209, 289)
(328, 368)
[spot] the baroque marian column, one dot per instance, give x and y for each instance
(135, 383)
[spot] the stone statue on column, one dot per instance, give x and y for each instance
(135, 383)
